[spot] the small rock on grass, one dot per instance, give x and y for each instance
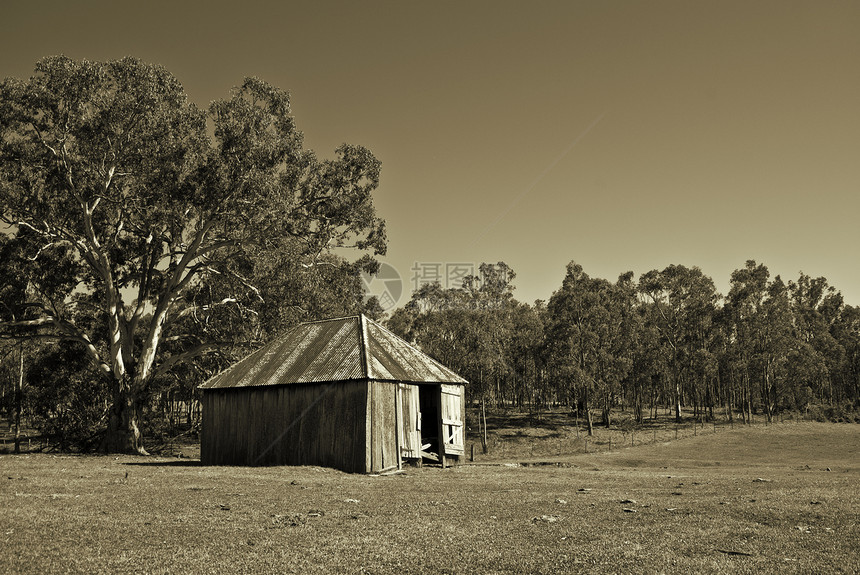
(546, 519)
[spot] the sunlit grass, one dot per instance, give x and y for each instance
(756, 500)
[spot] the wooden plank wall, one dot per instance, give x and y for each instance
(314, 424)
(410, 422)
(381, 419)
(453, 428)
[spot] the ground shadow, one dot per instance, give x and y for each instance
(176, 463)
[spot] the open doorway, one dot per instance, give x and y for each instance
(428, 401)
(430, 420)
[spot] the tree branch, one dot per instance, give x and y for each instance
(69, 332)
(171, 361)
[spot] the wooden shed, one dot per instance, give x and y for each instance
(343, 393)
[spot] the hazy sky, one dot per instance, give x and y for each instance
(621, 135)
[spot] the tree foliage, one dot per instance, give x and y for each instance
(667, 340)
(175, 226)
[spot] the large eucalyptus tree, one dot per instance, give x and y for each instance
(165, 208)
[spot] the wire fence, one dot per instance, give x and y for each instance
(558, 441)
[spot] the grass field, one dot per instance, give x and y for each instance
(782, 498)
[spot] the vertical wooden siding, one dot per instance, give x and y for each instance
(315, 424)
(453, 430)
(381, 419)
(410, 422)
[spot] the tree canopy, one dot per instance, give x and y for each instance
(166, 229)
(669, 339)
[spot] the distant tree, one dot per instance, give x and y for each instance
(816, 307)
(163, 215)
(13, 295)
(761, 334)
(524, 351)
(847, 332)
(578, 320)
(619, 340)
(649, 362)
(684, 301)
(24, 287)
(66, 395)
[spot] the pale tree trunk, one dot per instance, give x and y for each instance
(484, 446)
(730, 398)
(766, 400)
(588, 413)
(19, 398)
(748, 389)
(123, 432)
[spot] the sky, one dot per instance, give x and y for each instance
(623, 135)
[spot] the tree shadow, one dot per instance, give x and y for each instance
(550, 421)
(176, 463)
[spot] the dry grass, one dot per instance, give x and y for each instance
(755, 500)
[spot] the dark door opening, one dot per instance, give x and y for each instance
(428, 401)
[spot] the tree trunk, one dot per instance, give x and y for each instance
(607, 415)
(123, 433)
(484, 447)
(19, 398)
(765, 392)
(637, 405)
(588, 414)
(748, 391)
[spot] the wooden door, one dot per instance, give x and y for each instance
(453, 439)
(410, 421)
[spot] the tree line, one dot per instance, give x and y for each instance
(669, 339)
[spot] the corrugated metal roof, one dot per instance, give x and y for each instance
(340, 349)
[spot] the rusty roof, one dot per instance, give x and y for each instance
(339, 349)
